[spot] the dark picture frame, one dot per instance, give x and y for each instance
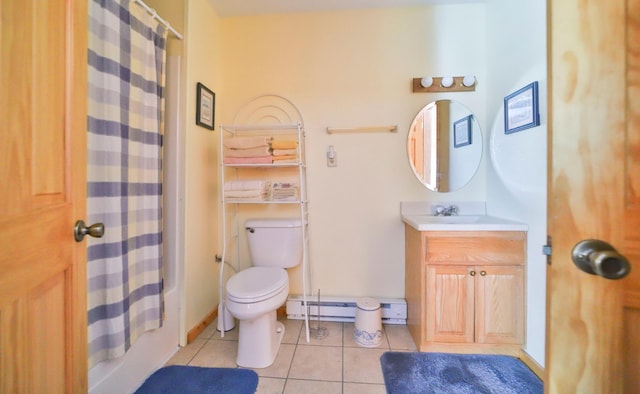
(462, 132)
(521, 109)
(205, 106)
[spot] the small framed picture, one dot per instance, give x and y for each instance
(521, 109)
(205, 106)
(462, 132)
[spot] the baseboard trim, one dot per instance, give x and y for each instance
(197, 330)
(532, 364)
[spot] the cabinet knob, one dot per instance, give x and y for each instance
(472, 273)
(483, 273)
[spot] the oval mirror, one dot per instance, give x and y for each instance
(444, 145)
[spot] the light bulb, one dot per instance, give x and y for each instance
(426, 82)
(446, 82)
(469, 80)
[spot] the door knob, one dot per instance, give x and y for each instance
(597, 257)
(96, 230)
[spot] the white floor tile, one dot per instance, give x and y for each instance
(335, 364)
(317, 363)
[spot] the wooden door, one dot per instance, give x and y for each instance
(450, 303)
(499, 294)
(594, 108)
(43, 52)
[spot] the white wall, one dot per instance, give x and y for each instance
(516, 176)
(350, 69)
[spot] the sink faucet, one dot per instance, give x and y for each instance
(451, 210)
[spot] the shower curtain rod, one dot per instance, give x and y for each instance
(156, 16)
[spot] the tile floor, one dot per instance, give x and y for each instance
(334, 364)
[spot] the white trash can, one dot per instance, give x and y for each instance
(368, 324)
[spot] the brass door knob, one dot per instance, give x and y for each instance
(96, 230)
(597, 257)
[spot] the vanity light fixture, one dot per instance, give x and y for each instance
(469, 80)
(426, 82)
(465, 83)
(446, 82)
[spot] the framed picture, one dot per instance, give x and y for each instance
(521, 109)
(462, 132)
(205, 106)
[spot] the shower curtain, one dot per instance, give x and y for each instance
(126, 81)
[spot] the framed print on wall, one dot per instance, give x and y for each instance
(521, 109)
(205, 106)
(462, 132)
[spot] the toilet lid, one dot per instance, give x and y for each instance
(256, 284)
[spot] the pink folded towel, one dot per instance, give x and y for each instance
(249, 160)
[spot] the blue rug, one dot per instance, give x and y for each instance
(180, 379)
(445, 373)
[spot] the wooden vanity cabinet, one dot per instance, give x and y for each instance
(465, 290)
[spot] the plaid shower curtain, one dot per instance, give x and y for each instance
(126, 82)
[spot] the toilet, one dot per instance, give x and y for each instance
(254, 294)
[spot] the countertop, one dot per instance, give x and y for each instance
(461, 223)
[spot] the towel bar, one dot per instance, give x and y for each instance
(365, 129)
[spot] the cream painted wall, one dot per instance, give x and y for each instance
(203, 54)
(354, 68)
(350, 69)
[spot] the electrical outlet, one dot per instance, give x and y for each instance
(332, 160)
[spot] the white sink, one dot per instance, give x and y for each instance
(462, 223)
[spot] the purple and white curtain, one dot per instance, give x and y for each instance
(126, 82)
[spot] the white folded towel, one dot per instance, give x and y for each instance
(249, 184)
(246, 194)
(284, 191)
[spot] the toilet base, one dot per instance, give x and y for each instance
(259, 341)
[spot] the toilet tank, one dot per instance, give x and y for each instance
(274, 242)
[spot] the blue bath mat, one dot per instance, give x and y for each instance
(180, 379)
(445, 373)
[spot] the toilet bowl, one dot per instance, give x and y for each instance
(253, 295)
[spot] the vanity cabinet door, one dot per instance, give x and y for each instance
(475, 304)
(499, 295)
(450, 303)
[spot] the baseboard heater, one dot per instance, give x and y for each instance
(343, 309)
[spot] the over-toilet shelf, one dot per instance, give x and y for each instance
(261, 127)
(228, 201)
(272, 165)
(292, 172)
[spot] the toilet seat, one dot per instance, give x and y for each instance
(256, 284)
